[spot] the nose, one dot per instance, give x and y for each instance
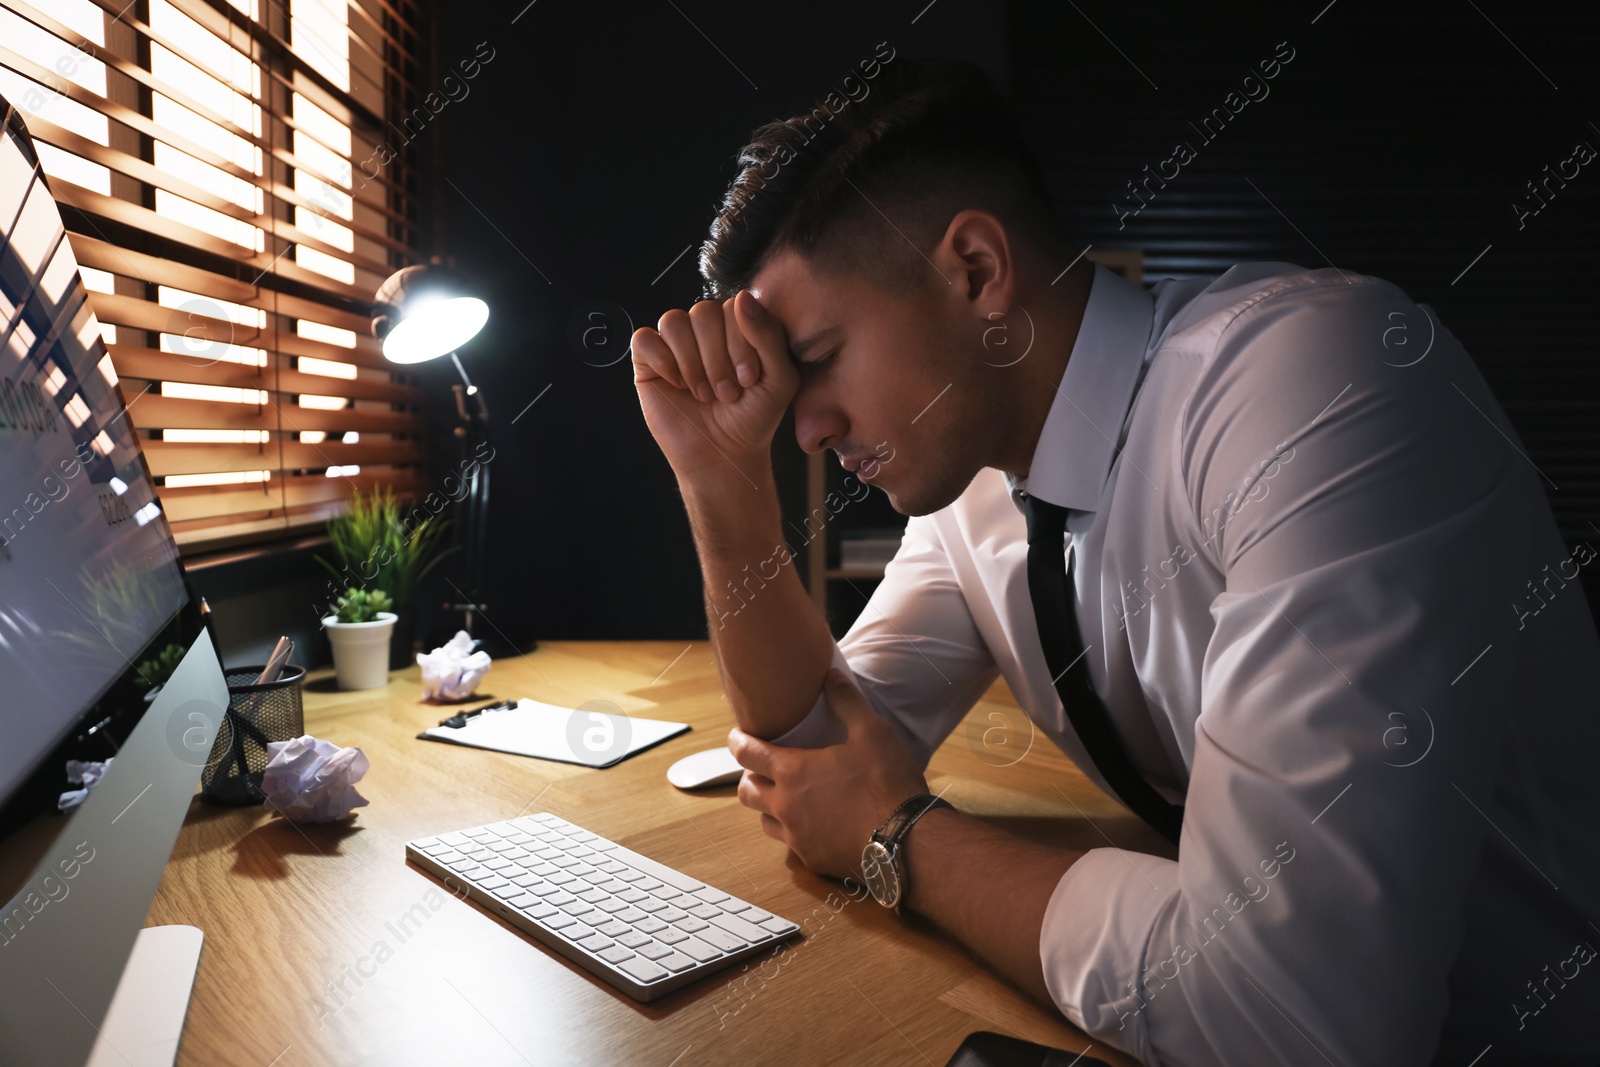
(818, 422)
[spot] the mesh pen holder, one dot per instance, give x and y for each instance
(256, 716)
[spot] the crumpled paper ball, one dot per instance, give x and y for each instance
(86, 773)
(452, 671)
(312, 780)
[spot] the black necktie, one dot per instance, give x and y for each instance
(1049, 584)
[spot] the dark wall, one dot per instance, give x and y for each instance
(592, 150)
(1394, 143)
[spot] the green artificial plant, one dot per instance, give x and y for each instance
(378, 547)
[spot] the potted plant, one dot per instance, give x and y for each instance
(376, 547)
(359, 631)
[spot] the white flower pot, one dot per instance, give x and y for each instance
(361, 650)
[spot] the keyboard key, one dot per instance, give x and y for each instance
(711, 896)
(593, 895)
(671, 896)
(600, 844)
(632, 915)
(755, 915)
(456, 838)
(650, 904)
(778, 926)
(576, 907)
(647, 883)
(698, 949)
(477, 871)
(615, 929)
(583, 870)
(499, 864)
(642, 969)
(705, 911)
(543, 889)
(611, 885)
(595, 877)
(690, 924)
(559, 921)
(633, 939)
(491, 884)
(615, 954)
(653, 951)
(528, 881)
(671, 935)
(671, 915)
(632, 896)
(677, 879)
(628, 874)
(611, 905)
(559, 898)
(519, 897)
(736, 926)
(651, 925)
(451, 858)
(733, 905)
(539, 910)
(596, 942)
(515, 853)
(676, 962)
(561, 878)
(725, 941)
(581, 852)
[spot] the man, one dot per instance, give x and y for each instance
(1314, 584)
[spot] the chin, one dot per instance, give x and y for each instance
(925, 500)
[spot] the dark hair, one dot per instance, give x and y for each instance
(869, 184)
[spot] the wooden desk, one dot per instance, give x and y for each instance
(307, 961)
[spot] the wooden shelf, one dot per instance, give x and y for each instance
(853, 572)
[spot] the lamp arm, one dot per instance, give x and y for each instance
(472, 390)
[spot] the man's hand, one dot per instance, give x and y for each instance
(824, 803)
(714, 382)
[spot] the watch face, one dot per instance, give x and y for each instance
(877, 870)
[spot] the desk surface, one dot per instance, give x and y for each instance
(307, 960)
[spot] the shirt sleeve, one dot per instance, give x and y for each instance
(914, 651)
(1374, 521)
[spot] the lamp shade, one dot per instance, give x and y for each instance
(425, 312)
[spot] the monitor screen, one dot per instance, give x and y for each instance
(89, 569)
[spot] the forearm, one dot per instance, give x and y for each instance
(987, 888)
(772, 645)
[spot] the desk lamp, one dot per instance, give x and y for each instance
(424, 312)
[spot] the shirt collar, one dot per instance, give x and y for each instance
(1073, 457)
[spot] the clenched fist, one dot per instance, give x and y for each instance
(714, 382)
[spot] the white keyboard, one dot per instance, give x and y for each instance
(641, 926)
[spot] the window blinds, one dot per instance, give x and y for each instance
(227, 178)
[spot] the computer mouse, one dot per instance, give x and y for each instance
(714, 766)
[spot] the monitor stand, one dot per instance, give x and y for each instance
(145, 1020)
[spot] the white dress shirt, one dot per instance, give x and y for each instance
(1326, 603)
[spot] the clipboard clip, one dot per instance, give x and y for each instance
(459, 719)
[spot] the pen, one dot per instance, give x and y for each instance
(459, 719)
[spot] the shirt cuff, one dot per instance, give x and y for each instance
(1092, 944)
(820, 728)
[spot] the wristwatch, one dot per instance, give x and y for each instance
(882, 865)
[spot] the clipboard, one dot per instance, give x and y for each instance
(566, 735)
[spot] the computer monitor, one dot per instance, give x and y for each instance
(89, 571)
(89, 577)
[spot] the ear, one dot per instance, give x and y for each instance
(978, 257)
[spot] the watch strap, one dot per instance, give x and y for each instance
(900, 821)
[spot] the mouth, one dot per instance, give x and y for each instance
(865, 468)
